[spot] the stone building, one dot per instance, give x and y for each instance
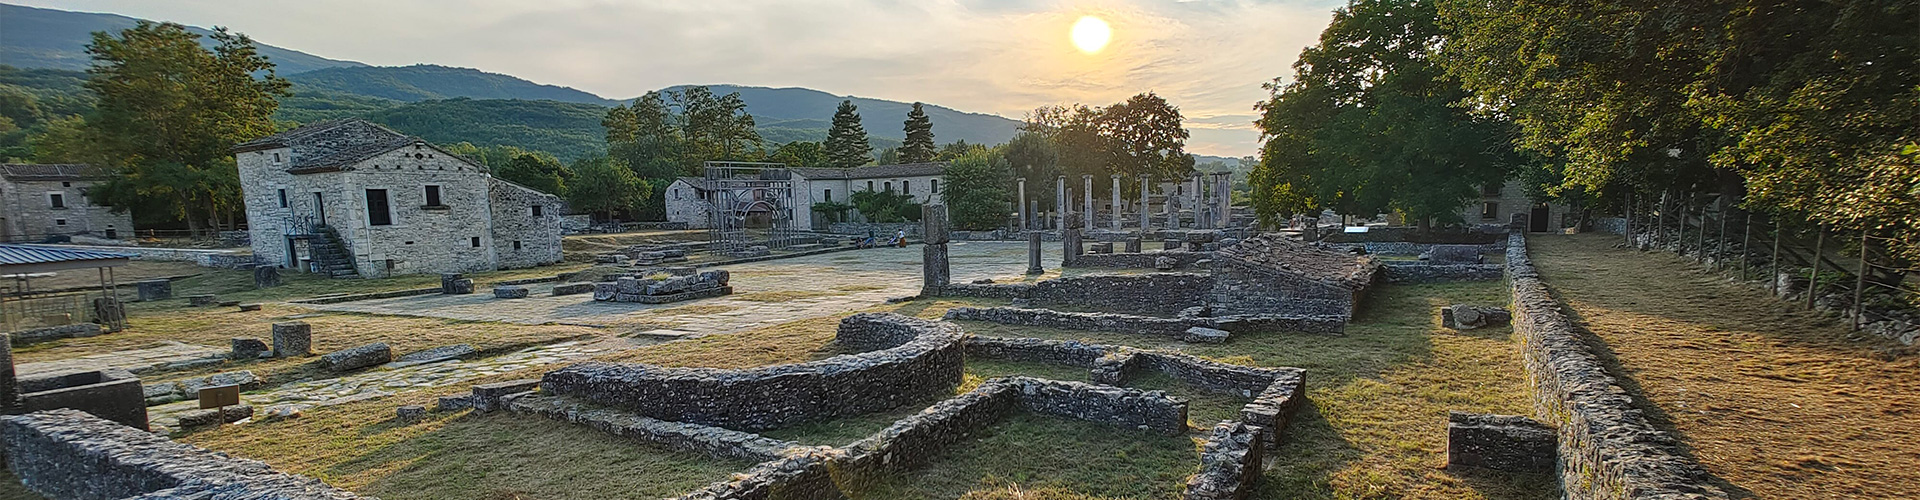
(349, 197)
(1497, 205)
(685, 197)
(39, 201)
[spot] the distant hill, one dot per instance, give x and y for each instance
(802, 108)
(427, 82)
(568, 130)
(32, 37)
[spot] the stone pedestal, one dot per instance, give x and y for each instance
(1500, 442)
(293, 338)
(1133, 245)
(510, 292)
(202, 300)
(451, 283)
(266, 277)
(1033, 253)
(151, 290)
(933, 265)
(247, 348)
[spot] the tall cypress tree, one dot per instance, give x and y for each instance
(847, 145)
(918, 147)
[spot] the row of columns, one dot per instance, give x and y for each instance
(1215, 213)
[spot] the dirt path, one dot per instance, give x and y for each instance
(1772, 399)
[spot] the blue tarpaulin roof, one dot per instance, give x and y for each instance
(33, 254)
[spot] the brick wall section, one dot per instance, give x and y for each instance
(929, 362)
(70, 454)
(1608, 449)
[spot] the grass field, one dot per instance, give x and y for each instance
(1774, 400)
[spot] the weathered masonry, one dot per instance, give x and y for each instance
(351, 198)
(40, 201)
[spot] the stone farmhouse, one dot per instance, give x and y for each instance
(352, 198)
(1498, 204)
(686, 196)
(40, 201)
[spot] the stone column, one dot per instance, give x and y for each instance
(935, 231)
(9, 391)
(1146, 187)
(1033, 253)
(1223, 193)
(1070, 240)
(1020, 204)
(1116, 202)
(1060, 203)
(1086, 198)
(1199, 207)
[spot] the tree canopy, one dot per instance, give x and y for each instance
(918, 147)
(976, 191)
(846, 144)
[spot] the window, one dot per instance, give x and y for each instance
(889, 186)
(433, 196)
(536, 210)
(905, 187)
(869, 185)
(66, 184)
(676, 193)
(1489, 211)
(829, 196)
(59, 222)
(377, 212)
(283, 198)
(276, 157)
(936, 186)
(56, 200)
(516, 245)
(476, 241)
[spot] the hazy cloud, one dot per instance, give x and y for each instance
(993, 56)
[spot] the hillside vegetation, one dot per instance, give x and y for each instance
(423, 82)
(47, 38)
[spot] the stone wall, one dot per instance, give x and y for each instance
(111, 394)
(1150, 294)
(520, 238)
(1229, 464)
(928, 360)
(38, 335)
(1144, 260)
(1244, 289)
(1421, 272)
(881, 230)
(70, 454)
(1103, 322)
(1608, 448)
(1473, 236)
(31, 216)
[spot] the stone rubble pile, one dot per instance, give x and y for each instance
(660, 288)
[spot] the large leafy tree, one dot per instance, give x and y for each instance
(976, 190)
(1143, 136)
(603, 185)
(1369, 124)
(918, 148)
(846, 144)
(800, 154)
(537, 170)
(167, 114)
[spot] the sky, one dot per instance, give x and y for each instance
(1005, 57)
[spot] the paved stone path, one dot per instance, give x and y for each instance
(171, 355)
(384, 382)
(765, 293)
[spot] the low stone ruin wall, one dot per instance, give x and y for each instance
(51, 333)
(1144, 260)
(1421, 272)
(881, 230)
(110, 393)
(1478, 235)
(1241, 288)
(672, 288)
(1608, 449)
(916, 358)
(1155, 293)
(705, 439)
(1229, 464)
(988, 291)
(1103, 322)
(70, 454)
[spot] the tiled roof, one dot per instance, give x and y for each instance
(52, 172)
(330, 144)
(875, 171)
(32, 254)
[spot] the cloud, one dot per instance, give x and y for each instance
(994, 56)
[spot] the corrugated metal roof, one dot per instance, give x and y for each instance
(32, 254)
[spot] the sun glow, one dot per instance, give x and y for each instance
(1090, 34)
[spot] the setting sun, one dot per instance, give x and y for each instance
(1090, 34)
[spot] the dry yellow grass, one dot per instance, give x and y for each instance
(1772, 399)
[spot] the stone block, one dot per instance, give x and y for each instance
(510, 292)
(266, 277)
(1172, 245)
(110, 394)
(357, 357)
(455, 284)
(1165, 263)
(611, 258)
(1500, 442)
(38, 335)
(249, 348)
(1468, 317)
(486, 397)
(720, 276)
(293, 338)
(1104, 247)
(201, 300)
(152, 290)
(1204, 335)
(1133, 245)
(441, 353)
(409, 413)
(209, 417)
(453, 403)
(249, 307)
(572, 289)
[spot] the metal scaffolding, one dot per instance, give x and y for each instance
(751, 204)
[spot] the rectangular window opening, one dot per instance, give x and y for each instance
(536, 210)
(57, 200)
(476, 241)
(516, 244)
(283, 198)
(378, 214)
(433, 196)
(828, 195)
(1489, 211)
(59, 222)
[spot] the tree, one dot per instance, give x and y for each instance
(918, 148)
(955, 149)
(805, 154)
(1143, 136)
(603, 186)
(888, 156)
(1368, 125)
(538, 171)
(168, 113)
(847, 140)
(885, 206)
(976, 191)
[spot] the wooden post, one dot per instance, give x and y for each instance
(1659, 220)
(1773, 269)
(1746, 245)
(1860, 283)
(1813, 275)
(1720, 242)
(1629, 217)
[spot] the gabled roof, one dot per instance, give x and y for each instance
(697, 182)
(331, 144)
(52, 172)
(875, 171)
(14, 255)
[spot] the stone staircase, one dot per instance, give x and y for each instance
(330, 256)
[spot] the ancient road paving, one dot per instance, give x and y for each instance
(169, 355)
(765, 293)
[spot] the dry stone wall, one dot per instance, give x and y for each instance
(1608, 449)
(70, 454)
(1421, 272)
(928, 359)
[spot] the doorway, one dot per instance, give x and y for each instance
(1537, 221)
(319, 209)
